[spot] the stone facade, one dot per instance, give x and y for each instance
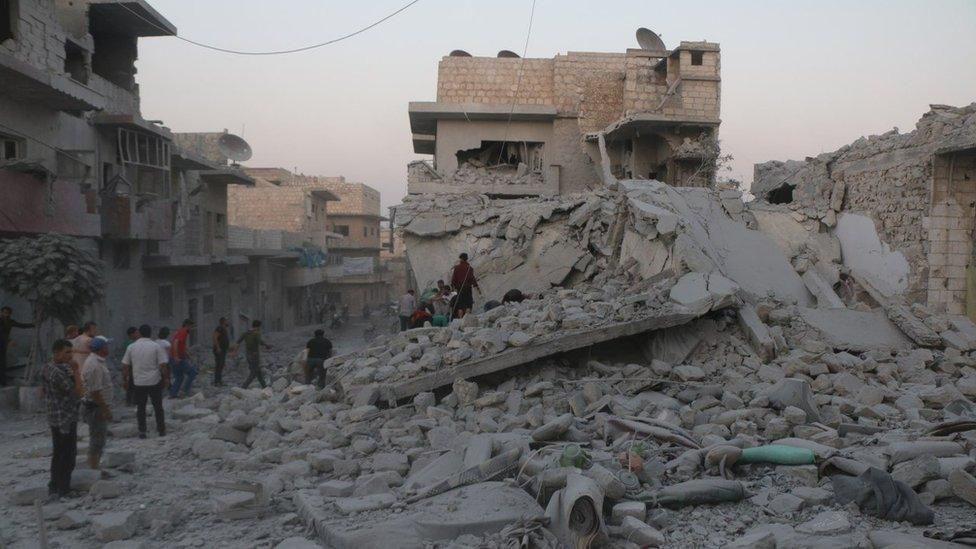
(557, 105)
(916, 188)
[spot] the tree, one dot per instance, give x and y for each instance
(59, 279)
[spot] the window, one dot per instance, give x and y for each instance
(10, 147)
(697, 57)
(74, 62)
(143, 149)
(342, 229)
(365, 231)
(166, 301)
(8, 19)
(220, 227)
(121, 256)
(208, 304)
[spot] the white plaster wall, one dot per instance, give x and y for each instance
(862, 249)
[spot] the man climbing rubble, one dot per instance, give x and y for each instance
(221, 344)
(252, 350)
(6, 324)
(319, 350)
(463, 281)
(97, 412)
(184, 371)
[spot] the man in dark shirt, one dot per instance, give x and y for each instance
(61, 381)
(319, 350)
(252, 350)
(7, 323)
(221, 344)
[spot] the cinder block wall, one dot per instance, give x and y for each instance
(950, 229)
(495, 80)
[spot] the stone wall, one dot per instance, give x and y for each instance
(900, 182)
(495, 80)
(355, 198)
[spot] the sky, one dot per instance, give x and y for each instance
(798, 78)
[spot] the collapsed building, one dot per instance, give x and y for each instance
(507, 126)
(901, 205)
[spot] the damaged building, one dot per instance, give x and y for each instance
(900, 204)
(507, 126)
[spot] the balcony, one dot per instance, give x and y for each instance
(137, 217)
(27, 83)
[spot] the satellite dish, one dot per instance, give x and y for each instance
(650, 40)
(508, 53)
(460, 53)
(234, 147)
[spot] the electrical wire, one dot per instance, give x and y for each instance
(272, 52)
(518, 82)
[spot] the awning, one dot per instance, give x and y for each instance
(131, 122)
(650, 121)
(26, 83)
(128, 18)
(425, 114)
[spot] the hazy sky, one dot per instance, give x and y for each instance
(798, 77)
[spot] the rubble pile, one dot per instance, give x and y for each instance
(475, 173)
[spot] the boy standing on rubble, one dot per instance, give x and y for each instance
(252, 349)
(319, 350)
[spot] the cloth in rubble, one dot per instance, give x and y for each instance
(877, 493)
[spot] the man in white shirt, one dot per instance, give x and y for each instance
(407, 305)
(97, 382)
(149, 364)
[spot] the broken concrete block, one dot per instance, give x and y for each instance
(83, 479)
(26, 496)
(689, 373)
(636, 509)
(71, 520)
(691, 291)
(114, 526)
(234, 500)
(786, 503)
(297, 542)
(336, 488)
(794, 392)
(641, 533)
(917, 471)
(825, 524)
(118, 458)
(210, 448)
(904, 451)
(754, 540)
(106, 489)
(554, 429)
(963, 486)
(826, 297)
(812, 496)
(227, 433)
(350, 505)
(385, 461)
(757, 332)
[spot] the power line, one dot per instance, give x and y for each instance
(272, 52)
(518, 82)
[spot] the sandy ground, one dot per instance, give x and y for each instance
(167, 486)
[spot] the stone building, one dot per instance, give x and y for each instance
(902, 205)
(356, 217)
(508, 126)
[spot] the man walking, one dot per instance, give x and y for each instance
(221, 344)
(319, 350)
(62, 384)
(97, 382)
(252, 349)
(7, 323)
(149, 364)
(184, 371)
(407, 305)
(463, 281)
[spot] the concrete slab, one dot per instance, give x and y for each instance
(857, 331)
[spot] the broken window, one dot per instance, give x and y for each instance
(208, 304)
(114, 59)
(121, 256)
(166, 301)
(342, 229)
(697, 57)
(781, 195)
(74, 62)
(365, 231)
(504, 155)
(8, 19)
(143, 149)
(11, 148)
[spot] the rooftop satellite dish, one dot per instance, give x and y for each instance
(650, 40)
(508, 53)
(460, 53)
(234, 147)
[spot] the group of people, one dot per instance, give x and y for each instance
(439, 305)
(78, 385)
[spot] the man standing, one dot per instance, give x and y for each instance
(149, 364)
(252, 348)
(183, 369)
(319, 350)
(62, 384)
(463, 281)
(97, 383)
(407, 305)
(221, 344)
(7, 323)
(79, 345)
